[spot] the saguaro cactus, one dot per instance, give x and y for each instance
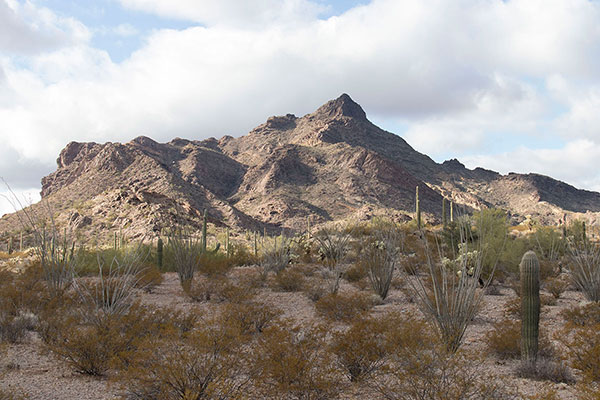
(417, 208)
(204, 232)
(530, 306)
(444, 221)
(159, 253)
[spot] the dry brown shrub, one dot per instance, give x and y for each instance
(213, 264)
(546, 394)
(344, 306)
(428, 371)
(367, 345)
(512, 308)
(582, 345)
(356, 272)
(249, 318)
(556, 286)
(547, 300)
(7, 394)
(545, 369)
(295, 363)
(149, 278)
(588, 314)
(587, 390)
(219, 288)
(504, 340)
(112, 340)
(208, 364)
(289, 280)
(315, 289)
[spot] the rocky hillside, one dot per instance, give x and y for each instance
(331, 164)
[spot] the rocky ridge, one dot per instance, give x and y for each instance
(332, 164)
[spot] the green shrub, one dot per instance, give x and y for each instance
(504, 340)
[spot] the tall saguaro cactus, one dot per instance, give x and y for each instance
(444, 221)
(417, 208)
(204, 232)
(159, 253)
(530, 306)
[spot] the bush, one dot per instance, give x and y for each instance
(12, 329)
(149, 278)
(343, 306)
(583, 349)
(356, 272)
(289, 280)
(215, 264)
(585, 269)
(208, 364)
(579, 316)
(296, 364)
(556, 286)
(249, 318)
(504, 340)
(545, 369)
(219, 288)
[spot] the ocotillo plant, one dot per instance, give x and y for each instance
(159, 253)
(530, 306)
(417, 208)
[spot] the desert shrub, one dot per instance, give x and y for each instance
(588, 390)
(584, 315)
(504, 340)
(13, 329)
(240, 255)
(556, 286)
(547, 300)
(215, 264)
(296, 364)
(428, 371)
(315, 289)
(249, 318)
(289, 280)
(582, 349)
(585, 268)
(207, 364)
(545, 369)
(492, 290)
(366, 346)
(219, 288)
(545, 394)
(356, 272)
(149, 278)
(343, 306)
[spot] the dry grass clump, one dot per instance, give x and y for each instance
(294, 363)
(344, 306)
(6, 394)
(504, 340)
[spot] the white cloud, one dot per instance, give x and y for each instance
(230, 12)
(571, 163)
(452, 71)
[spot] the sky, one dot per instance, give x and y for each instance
(508, 85)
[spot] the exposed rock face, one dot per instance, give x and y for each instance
(330, 164)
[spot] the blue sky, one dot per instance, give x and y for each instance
(505, 85)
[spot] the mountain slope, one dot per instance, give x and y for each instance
(331, 164)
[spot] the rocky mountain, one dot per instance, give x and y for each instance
(332, 164)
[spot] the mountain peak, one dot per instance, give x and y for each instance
(343, 106)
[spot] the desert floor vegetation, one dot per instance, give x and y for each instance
(290, 319)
